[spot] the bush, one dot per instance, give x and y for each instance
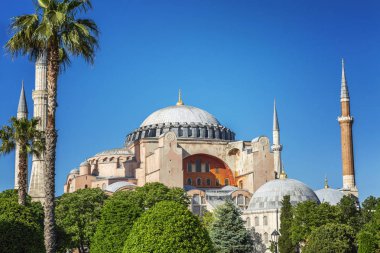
(117, 217)
(168, 227)
(21, 227)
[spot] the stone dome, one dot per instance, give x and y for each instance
(270, 195)
(328, 195)
(74, 171)
(118, 185)
(180, 114)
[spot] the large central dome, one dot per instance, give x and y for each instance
(180, 114)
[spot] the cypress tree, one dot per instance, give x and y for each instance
(228, 232)
(285, 243)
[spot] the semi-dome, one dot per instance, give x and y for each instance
(118, 185)
(180, 114)
(270, 195)
(328, 195)
(115, 151)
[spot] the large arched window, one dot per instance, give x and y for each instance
(257, 222)
(189, 168)
(265, 220)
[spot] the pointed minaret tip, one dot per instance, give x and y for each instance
(22, 105)
(180, 102)
(344, 95)
(275, 118)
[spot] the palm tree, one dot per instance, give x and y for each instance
(30, 140)
(55, 30)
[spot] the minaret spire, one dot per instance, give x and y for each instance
(22, 113)
(326, 183)
(345, 122)
(180, 102)
(276, 147)
(344, 95)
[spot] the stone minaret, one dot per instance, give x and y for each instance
(36, 186)
(345, 122)
(276, 147)
(22, 113)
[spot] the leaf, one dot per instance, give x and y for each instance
(43, 3)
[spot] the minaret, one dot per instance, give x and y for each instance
(345, 122)
(22, 113)
(276, 147)
(36, 186)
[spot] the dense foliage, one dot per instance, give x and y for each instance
(117, 217)
(332, 237)
(77, 215)
(257, 242)
(285, 244)
(369, 236)
(21, 227)
(228, 232)
(168, 227)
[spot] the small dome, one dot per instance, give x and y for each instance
(180, 114)
(85, 163)
(270, 195)
(118, 185)
(74, 171)
(328, 195)
(115, 151)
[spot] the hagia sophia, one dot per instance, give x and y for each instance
(187, 147)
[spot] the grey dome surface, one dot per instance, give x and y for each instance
(328, 195)
(180, 114)
(74, 171)
(115, 151)
(270, 195)
(116, 186)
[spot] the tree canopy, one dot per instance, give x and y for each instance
(228, 232)
(168, 227)
(77, 214)
(21, 226)
(331, 238)
(285, 244)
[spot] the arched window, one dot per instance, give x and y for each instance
(248, 222)
(196, 199)
(266, 237)
(208, 182)
(265, 220)
(199, 181)
(198, 166)
(241, 184)
(240, 200)
(217, 182)
(226, 181)
(189, 181)
(103, 186)
(189, 169)
(257, 222)
(207, 167)
(85, 186)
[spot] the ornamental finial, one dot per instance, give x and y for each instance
(283, 175)
(326, 183)
(180, 102)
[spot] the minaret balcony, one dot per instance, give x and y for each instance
(345, 119)
(276, 147)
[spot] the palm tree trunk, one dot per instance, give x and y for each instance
(22, 175)
(51, 142)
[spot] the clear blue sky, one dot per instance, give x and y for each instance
(230, 58)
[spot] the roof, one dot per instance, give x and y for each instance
(180, 114)
(270, 195)
(115, 151)
(328, 195)
(118, 185)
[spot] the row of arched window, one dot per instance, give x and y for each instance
(257, 221)
(198, 166)
(206, 182)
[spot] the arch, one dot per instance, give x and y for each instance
(265, 221)
(189, 181)
(199, 181)
(257, 221)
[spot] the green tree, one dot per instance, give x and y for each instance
(30, 140)
(285, 244)
(55, 30)
(78, 214)
(308, 216)
(331, 238)
(349, 212)
(152, 193)
(228, 232)
(207, 219)
(369, 237)
(168, 227)
(118, 214)
(368, 208)
(21, 226)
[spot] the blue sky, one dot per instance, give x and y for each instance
(231, 58)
